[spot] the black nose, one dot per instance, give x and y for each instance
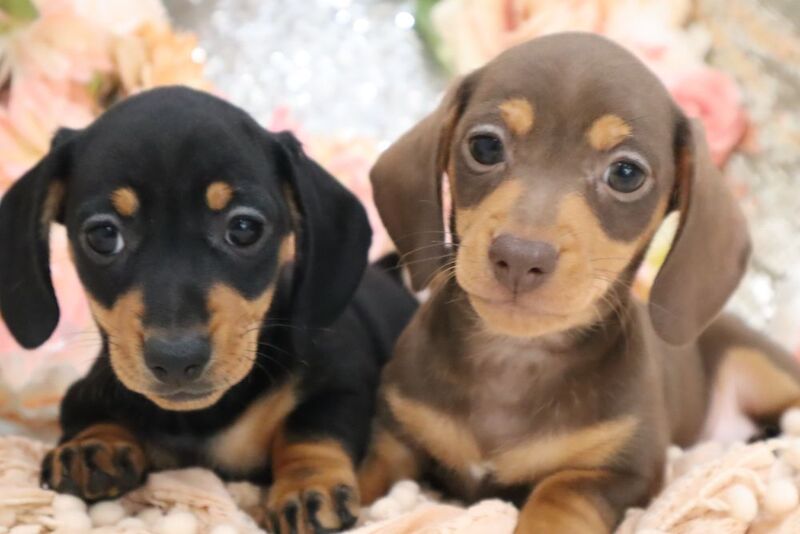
(521, 265)
(179, 359)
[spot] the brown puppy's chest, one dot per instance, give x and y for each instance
(519, 417)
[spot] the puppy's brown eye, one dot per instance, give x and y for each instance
(625, 176)
(105, 239)
(487, 149)
(244, 231)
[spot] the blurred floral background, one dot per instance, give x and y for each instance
(350, 75)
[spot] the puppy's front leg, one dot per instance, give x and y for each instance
(580, 501)
(103, 461)
(313, 457)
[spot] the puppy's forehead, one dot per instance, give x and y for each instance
(171, 142)
(568, 81)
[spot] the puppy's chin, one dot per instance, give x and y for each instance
(514, 320)
(184, 402)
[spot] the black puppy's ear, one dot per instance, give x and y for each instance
(27, 298)
(334, 238)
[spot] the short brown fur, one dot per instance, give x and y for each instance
(565, 393)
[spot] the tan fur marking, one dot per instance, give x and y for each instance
(558, 504)
(243, 446)
(387, 461)
(287, 251)
(444, 438)
(52, 205)
(589, 261)
(233, 330)
(125, 201)
(105, 440)
(304, 467)
(762, 388)
(123, 324)
(589, 447)
(496, 204)
(518, 115)
(218, 195)
(607, 132)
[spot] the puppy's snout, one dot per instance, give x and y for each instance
(177, 360)
(521, 265)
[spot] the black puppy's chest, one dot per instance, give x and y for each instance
(236, 446)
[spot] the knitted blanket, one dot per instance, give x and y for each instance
(712, 487)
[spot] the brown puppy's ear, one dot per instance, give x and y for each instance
(27, 299)
(711, 248)
(406, 182)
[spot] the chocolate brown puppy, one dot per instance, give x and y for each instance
(531, 372)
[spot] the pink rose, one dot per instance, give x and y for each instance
(714, 98)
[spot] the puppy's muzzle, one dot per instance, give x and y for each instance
(177, 359)
(522, 265)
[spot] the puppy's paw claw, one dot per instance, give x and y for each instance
(316, 506)
(102, 462)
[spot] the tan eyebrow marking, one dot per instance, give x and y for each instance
(607, 132)
(125, 201)
(218, 195)
(518, 115)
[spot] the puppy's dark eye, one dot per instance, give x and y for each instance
(243, 231)
(487, 149)
(105, 239)
(625, 176)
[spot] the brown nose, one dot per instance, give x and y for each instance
(521, 265)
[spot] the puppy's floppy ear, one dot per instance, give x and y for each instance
(406, 182)
(711, 248)
(27, 298)
(334, 238)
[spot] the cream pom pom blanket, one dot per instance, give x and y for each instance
(711, 488)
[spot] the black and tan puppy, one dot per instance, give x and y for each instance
(226, 272)
(531, 372)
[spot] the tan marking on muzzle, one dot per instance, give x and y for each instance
(496, 207)
(518, 115)
(589, 261)
(123, 325)
(607, 132)
(234, 327)
(243, 446)
(218, 195)
(125, 201)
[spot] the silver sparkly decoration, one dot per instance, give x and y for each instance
(343, 67)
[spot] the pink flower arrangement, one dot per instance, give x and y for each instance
(62, 62)
(471, 32)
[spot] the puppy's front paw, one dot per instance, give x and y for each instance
(314, 491)
(102, 462)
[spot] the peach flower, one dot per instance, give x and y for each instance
(154, 55)
(472, 32)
